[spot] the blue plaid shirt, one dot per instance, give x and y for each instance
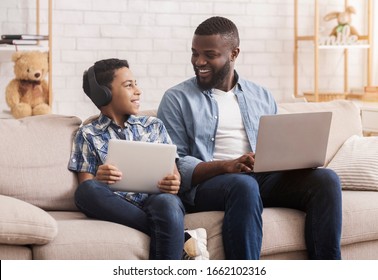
(90, 144)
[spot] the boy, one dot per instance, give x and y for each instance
(112, 87)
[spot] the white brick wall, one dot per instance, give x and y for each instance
(155, 37)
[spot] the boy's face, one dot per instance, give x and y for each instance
(125, 93)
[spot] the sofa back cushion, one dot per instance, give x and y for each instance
(34, 160)
(346, 120)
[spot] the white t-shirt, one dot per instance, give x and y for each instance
(231, 140)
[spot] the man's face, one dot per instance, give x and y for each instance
(211, 60)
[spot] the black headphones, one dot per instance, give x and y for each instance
(100, 95)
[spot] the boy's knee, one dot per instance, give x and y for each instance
(167, 202)
(90, 189)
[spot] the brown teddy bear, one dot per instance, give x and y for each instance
(28, 93)
(344, 20)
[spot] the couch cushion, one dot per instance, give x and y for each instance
(346, 120)
(80, 238)
(289, 222)
(283, 233)
(212, 221)
(34, 160)
(15, 252)
(360, 217)
(360, 224)
(356, 163)
(83, 238)
(22, 223)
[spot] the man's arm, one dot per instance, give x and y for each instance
(206, 170)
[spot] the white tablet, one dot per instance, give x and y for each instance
(143, 164)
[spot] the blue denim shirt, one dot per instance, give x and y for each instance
(190, 115)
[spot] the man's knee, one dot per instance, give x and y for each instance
(245, 190)
(328, 177)
(328, 184)
(246, 185)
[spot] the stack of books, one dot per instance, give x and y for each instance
(371, 89)
(22, 39)
(371, 93)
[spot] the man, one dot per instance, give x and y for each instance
(213, 119)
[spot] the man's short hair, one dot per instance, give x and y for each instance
(222, 26)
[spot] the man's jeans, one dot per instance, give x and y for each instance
(161, 216)
(317, 192)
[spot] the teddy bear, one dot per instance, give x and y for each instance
(28, 93)
(344, 20)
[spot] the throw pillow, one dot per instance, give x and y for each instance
(22, 223)
(356, 163)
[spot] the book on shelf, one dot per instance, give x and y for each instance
(18, 42)
(24, 37)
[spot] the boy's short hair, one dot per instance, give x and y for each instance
(104, 72)
(222, 26)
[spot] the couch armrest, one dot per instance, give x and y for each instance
(22, 223)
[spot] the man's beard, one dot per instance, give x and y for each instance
(217, 79)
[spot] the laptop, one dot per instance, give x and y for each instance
(142, 164)
(292, 141)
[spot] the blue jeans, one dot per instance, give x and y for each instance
(161, 217)
(317, 192)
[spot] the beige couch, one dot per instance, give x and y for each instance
(38, 218)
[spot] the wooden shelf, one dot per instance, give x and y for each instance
(361, 46)
(365, 97)
(329, 96)
(6, 51)
(365, 42)
(323, 96)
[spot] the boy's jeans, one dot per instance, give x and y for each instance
(161, 216)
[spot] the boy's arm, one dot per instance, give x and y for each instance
(106, 173)
(171, 183)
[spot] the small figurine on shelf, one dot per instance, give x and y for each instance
(28, 93)
(344, 20)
